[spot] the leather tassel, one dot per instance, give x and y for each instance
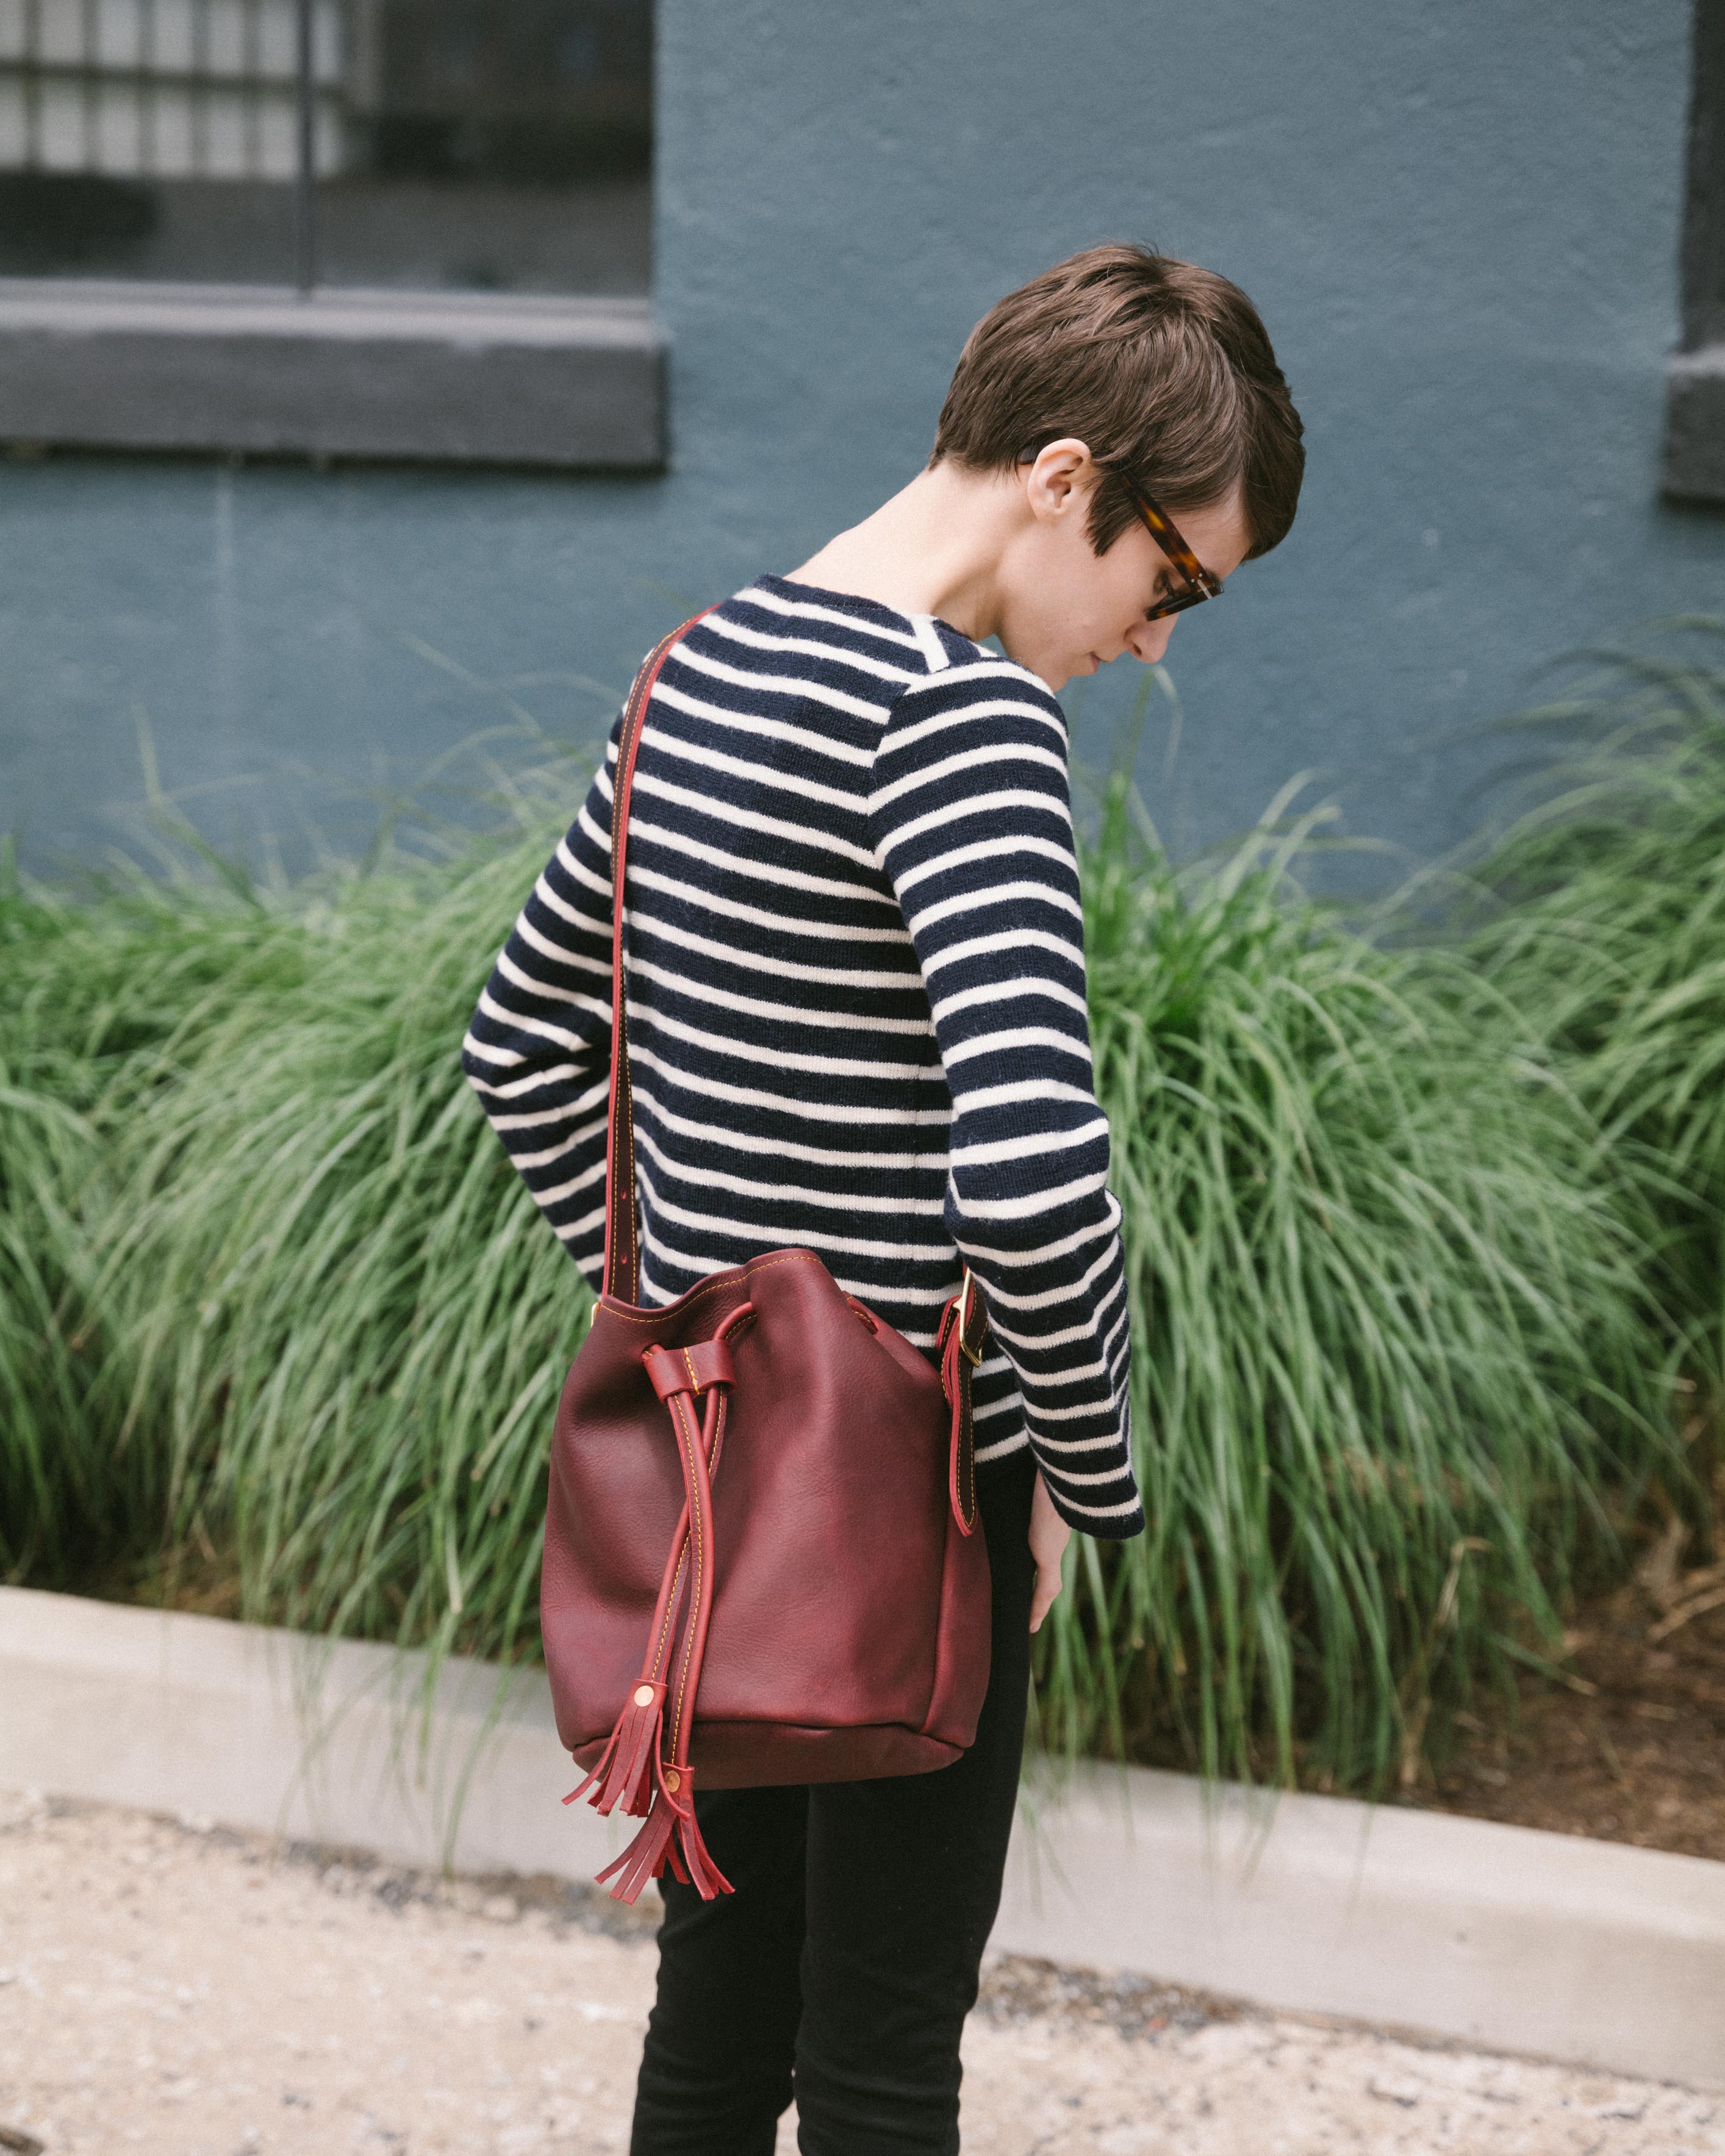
(623, 1772)
(645, 1857)
(704, 1875)
(670, 1839)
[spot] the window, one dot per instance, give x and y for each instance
(1695, 424)
(415, 228)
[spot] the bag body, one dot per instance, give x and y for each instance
(759, 1564)
(849, 1633)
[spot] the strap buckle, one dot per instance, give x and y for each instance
(967, 1296)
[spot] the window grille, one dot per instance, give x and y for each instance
(168, 88)
(117, 117)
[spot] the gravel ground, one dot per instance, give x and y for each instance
(179, 1990)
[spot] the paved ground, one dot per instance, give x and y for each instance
(177, 1991)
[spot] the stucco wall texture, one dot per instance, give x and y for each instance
(1460, 221)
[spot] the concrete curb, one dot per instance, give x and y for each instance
(1578, 1950)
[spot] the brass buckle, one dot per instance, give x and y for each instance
(973, 1355)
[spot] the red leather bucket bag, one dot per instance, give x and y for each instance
(760, 1561)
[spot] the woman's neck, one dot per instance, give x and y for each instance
(937, 547)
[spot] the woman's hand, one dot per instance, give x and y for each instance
(1049, 1538)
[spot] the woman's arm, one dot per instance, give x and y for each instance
(538, 1052)
(970, 818)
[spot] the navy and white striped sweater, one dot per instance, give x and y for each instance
(857, 1014)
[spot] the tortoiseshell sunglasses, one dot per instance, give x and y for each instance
(1197, 582)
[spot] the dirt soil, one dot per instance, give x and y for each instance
(174, 1989)
(1628, 1744)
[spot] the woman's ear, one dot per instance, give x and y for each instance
(1059, 480)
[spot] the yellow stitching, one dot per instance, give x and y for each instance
(670, 1610)
(620, 1048)
(712, 1463)
(694, 1589)
(629, 1106)
(611, 1167)
(969, 1459)
(691, 1439)
(634, 711)
(616, 911)
(630, 733)
(634, 1224)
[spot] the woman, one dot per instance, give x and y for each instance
(858, 1025)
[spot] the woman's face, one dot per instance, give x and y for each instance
(1066, 610)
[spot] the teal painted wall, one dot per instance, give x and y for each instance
(1460, 224)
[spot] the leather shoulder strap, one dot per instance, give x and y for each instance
(623, 1257)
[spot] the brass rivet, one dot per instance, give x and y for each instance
(644, 1695)
(674, 1781)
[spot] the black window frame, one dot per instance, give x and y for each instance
(1694, 469)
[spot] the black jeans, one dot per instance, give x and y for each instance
(841, 1969)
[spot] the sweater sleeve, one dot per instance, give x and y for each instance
(538, 1051)
(970, 818)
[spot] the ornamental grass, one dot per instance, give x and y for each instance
(1421, 1235)
(1599, 917)
(1396, 1369)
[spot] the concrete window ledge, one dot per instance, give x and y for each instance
(443, 378)
(1695, 424)
(1517, 1940)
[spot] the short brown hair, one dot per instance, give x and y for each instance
(1162, 369)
